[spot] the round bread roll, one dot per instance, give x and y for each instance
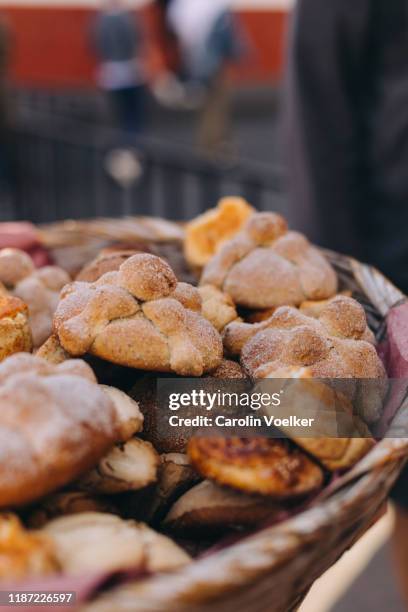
(55, 423)
(140, 317)
(336, 344)
(39, 289)
(265, 266)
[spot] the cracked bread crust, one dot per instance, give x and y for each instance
(266, 265)
(140, 317)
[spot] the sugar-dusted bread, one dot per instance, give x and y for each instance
(206, 234)
(15, 333)
(140, 317)
(38, 288)
(55, 423)
(265, 265)
(335, 345)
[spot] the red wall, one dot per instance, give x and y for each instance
(51, 46)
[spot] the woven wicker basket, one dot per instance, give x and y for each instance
(274, 569)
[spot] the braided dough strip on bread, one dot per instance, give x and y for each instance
(55, 423)
(140, 317)
(265, 265)
(337, 344)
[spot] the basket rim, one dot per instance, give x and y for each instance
(255, 555)
(230, 568)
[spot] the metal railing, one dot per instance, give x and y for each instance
(61, 169)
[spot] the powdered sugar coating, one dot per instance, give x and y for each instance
(332, 345)
(55, 423)
(139, 317)
(265, 265)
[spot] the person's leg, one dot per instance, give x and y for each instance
(131, 108)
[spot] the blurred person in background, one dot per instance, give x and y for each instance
(117, 39)
(4, 111)
(210, 40)
(347, 125)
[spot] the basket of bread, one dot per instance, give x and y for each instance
(98, 499)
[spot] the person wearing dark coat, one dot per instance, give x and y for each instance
(347, 129)
(118, 43)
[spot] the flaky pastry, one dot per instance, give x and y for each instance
(38, 288)
(265, 265)
(139, 317)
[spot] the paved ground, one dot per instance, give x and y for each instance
(363, 579)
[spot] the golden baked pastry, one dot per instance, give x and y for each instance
(38, 288)
(99, 542)
(15, 333)
(206, 234)
(208, 507)
(24, 554)
(55, 423)
(265, 265)
(140, 317)
(256, 465)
